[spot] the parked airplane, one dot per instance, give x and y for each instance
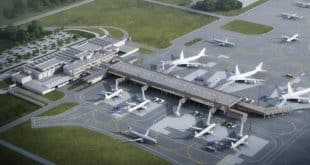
(186, 61)
(292, 95)
(203, 131)
(208, 129)
(291, 16)
(133, 106)
(244, 77)
(295, 37)
(224, 43)
(141, 137)
(239, 142)
(303, 4)
(111, 95)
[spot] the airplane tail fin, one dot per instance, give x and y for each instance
(237, 72)
(129, 128)
(226, 39)
(289, 88)
(260, 67)
(147, 132)
(182, 55)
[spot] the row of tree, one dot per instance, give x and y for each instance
(217, 5)
(19, 35)
(19, 7)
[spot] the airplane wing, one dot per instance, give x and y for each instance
(196, 128)
(250, 79)
(135, 140)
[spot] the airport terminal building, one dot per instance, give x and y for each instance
(45, 74)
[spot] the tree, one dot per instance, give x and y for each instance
(35, 29)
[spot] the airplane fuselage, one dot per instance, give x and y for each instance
(206, 130)
(114, 94)
(242, 76)
(184, 61)
(139, 106)
(240, 142)
(294, 96)
(224, 43)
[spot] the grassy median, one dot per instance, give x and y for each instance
(74, 145)
(246, 27)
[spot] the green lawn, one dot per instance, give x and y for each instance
(5, 83)
(8, 156)
(245, 27)
(78, 146)
(29, 13)
(59, 109)
(81, 33)
(242, 10)
(177, 2)
(13, 108)
(115, 33)
(146, 23)
(55, 95)
(145, 51)
(192, 42)
(96, 30)
(33, 98)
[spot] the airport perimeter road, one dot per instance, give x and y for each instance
(52, 12)
(25, 153)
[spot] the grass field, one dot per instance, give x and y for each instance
(81, 33)
(192, 42)
(55, 95)
(59, 109)
(242, 10)
(248, 28)
(146, 23)
(29, 13)
(177, 2)
(8, 156)
(115, 33)
(78, 146)
(13, 108)
(5, 83)
(33, 98)
(96, 30)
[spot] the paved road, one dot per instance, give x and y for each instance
(25, 153)
(52, 12)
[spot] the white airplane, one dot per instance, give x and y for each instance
(143, 105)
(224, 43)
(291, 16)
(295, 37)
(239, 142)
(303, 4)
(243, 77)
(111, 95)
(207, 130)
(141, 137)
(291, 95)
(188, 61)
